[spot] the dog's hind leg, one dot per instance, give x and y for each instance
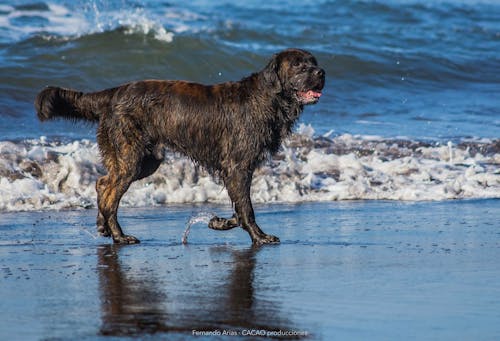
(124, 158)
(114, 189)
(102, 224)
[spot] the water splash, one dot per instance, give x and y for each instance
(203, 217)
(138, 20)
(94, 236)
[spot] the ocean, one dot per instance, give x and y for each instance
(410, 109)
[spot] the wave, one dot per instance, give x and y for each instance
(46, 175)
(395, 57)
(62, 22)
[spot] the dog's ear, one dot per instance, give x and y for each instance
(271, 74)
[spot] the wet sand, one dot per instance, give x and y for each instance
(344, 270)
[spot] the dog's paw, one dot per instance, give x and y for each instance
(217, 223)
(266, 239)
(126, 239)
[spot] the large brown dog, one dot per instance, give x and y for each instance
(228, 128)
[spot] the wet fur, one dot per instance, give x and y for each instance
(228, 128)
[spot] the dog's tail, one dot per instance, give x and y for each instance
(54, 102)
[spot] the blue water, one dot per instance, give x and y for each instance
(417, 69)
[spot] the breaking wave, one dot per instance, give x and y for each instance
(59, 21)
(41, 174)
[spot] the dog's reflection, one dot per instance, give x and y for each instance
(128, 306)
(137, 305)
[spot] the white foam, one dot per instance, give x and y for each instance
(137, 21)
(47, 175)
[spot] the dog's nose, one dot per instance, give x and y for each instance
(319, 72)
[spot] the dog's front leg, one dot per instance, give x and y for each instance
(238, 187)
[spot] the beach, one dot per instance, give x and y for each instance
(386, 195)
(344, 270)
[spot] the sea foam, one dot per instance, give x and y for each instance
(40, 174)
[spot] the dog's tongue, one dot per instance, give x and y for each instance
(310, 94)
(314, 94)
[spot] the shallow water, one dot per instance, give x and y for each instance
(345, 270)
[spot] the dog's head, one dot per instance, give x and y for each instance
(296, 73)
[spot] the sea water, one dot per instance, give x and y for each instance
(410, 109)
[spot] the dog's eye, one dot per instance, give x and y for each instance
(301, 67)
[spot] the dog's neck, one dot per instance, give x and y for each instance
(278, 117)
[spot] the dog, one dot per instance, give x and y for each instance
(229, 129)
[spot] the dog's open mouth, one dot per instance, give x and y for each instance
(309, 96)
